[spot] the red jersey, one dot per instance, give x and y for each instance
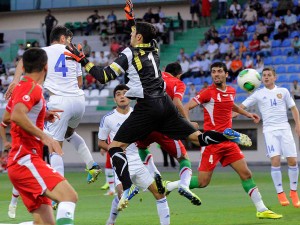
(217, 106)
(174, 86)
(30, 94)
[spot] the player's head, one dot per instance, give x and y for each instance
(142, 32)
(35, 61)
(119, 96)
(174, 69)
(61, 35)
(219, 73)
(268, 77)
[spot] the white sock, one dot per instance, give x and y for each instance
(257, 199)
(149, 163)
(172, 185)
(27, 223)
(65, 213)
(79, 144)
(113, 211)
(185, 175)
(57, 163)
(163, 211)
(293, 172)
(277, 178)
(110, 179)
(14, 197)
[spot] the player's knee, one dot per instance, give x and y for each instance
(69, 132)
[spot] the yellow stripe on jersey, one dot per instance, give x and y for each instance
(142, 52)
(138, 63)
(105, 77)
(143, 45)
(89, 66)
(116, 68)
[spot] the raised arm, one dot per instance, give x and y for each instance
(17, 77)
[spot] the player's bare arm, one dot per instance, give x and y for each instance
(178, 103)
(295, 113)
(17, 77)
(4, 124)
(20, 117)
(80, 81)
(243, 112)
(187, 107)
(103, 145)
(52, 115)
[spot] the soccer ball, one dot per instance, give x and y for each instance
(249, 80)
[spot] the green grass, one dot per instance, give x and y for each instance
(223, 203)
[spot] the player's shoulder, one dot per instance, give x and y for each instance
(109, 114)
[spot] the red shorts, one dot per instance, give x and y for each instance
(31, 176)
(173, 147)
(108, 162)
(226, 152)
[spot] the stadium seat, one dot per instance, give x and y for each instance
(222, 30)
(87, 103)
(239, 90)
(268, 61)
(282, 78)
(208, 80)
(290, 60)
(298, 59)
(276, 43)
(197, 80)
(250, 36)
(286, 43)
(281, 69)
(236, 45)
(104, 93)
(86, 92)
(94, 103)
(186, 80)
(285, 85)
(294, 33)
(230, 22)
(240, 98)
(294, 77)
(274, 4)
(276, 52)
(185, 99)
(278, 61)
(113, 83)
(287, 51)
(251, 28)
(69, 25)
(94, 93)
(292, 69)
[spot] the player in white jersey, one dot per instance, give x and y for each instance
(63, 82)
(272, 102)
(139, 175)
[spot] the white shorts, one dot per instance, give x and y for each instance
(280, 142)
(73, 107)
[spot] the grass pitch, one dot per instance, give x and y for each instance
(224, 202)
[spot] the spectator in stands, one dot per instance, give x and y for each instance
(192, 91)
(295, 90)
(94, 59)
(114, 47)
(111, 17)
(257, 7)
(209, 33)
(212, 49)
(36, 44)
(181, 54)
(296, 8)
(248, 62)
(2, 67)
(269, 22)
(216, 37)
(242, 49)
(261, 30)
(267, 7)
(235, 68)
(194, 68)
(93, 22)
(111, 31)
(283, 31)
(235, 10)
(161, 31)
(259, 65)
(148, 15)
(185, 65)
(86, 48)
(224, 48)
(206, 12)
(250, 16)
(231, 50)
(201, 49)
(254, 46)
(89, 82)
(265, 47)
(238, 32)
(50, 22)
(205, 85)
(296, 45)
(195, 11)
(228, 62)
(6, 80)
(161, 14)
(204, 67)
(291, 20)
(283, 6)
(20, 51)
(222, 9)
(103, 60)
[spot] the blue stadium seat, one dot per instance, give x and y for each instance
(230, 22)
(251, 28)
(285, 85)
(280, 69)
(282, 78)
(290, 60)
(294, 33)
(185, 99)
(222, 30)
(278, 60)
(186, 80)
(292, 69)
(240, 98)
(275, 4)
(276, 52)
(239, 90)
(197, 81)
(208, 80)
(268, 61)
(298, 59)
(287, 51)
(276, 43)
(286, 43)
(295, 2)
(246, 43)
(236, 45)
(294, 77)
(250, 36)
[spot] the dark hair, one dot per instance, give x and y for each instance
(120, 87)
(174, 69)
(58, 31)
(269, 69)
(147, 30)
(219, 64)
(34, 60)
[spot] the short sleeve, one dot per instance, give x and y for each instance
(180, 89)
(289, 100)
(104, 129)
(250, 101)
(203, 96)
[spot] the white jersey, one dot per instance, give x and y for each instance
(62, 73)
(273, 106)
(109, 125)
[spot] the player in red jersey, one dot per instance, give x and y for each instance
(175, 88)
(36, 181)
(218, 103)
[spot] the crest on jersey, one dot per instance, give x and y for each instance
(279, 96)
(26, 98)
